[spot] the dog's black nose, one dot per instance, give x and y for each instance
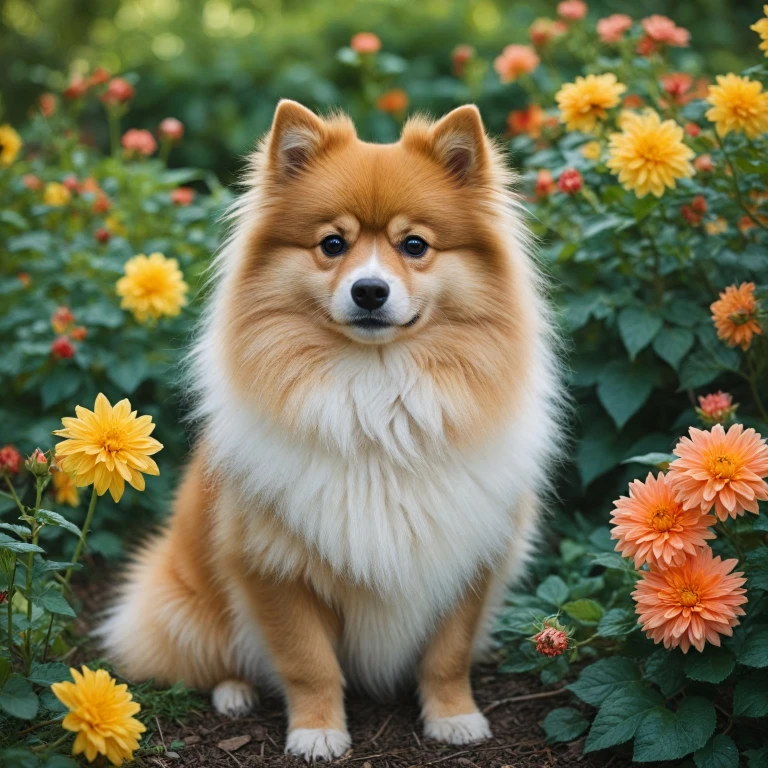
(370, 293)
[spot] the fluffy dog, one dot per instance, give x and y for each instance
(379, 405)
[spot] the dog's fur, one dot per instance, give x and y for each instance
(358, 498)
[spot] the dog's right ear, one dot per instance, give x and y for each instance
(296, 137)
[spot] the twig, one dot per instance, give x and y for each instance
(381, 730)
(527, 697)
(38, 725)
(160, 731)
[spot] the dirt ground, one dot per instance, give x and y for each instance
(389, 735)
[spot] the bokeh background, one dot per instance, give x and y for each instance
(221, 65)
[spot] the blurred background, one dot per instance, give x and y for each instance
(220, 65)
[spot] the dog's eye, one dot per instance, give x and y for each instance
(414, 246)
(333, 245)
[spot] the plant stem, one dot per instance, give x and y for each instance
(723, 528)
(13, 494)
(9, 600)
(28, 590)
(83, 536)
(114, 131)
(736, 188)
(57, 743)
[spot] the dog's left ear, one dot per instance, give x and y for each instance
(296, 138)
(459, 144)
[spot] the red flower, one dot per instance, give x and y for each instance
(170, 129)
(3, 597)
(119, 91)
(570, 181)
(182, 196)
(703, 164)
(551, 641)
(70, 182)
(61, 319)
(694, 213)
(48, 104)
(79, 333)
(76, 89)
(102, 235)
(62, 348)
(632, 101)
(365, 42)
(10, 460)
(692, 129)
(459, 58)
(31, 181)
(545, 184)
(101, 204)
(99, 76)
(529, 120)
(138, 141)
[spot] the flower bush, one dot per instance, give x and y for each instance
(649, 193)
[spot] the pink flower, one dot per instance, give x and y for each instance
(170, 129)
(515, 60)
(182, 196)
(613, 28)
(365, 42)
(716, 408)
(551, 641)
(138, 141)
(119, 91)
(661, 29)
(704, 164)
(460, 56)
(77, 87)
(572, 10)
(570, 181)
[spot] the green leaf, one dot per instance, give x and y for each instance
(637, 328)
(614, 561)
(758, 758)
(20, 530)
(128, 374)
(49, 517)
(47, 674)
(719, 752)
(54, 602)
(673, 344)
(712, 665)
(623, 389)
(665, 669)
(564, 724)
(658, 460)
(20, 547)
(750, 699)
(665, 735)
(59, 761)
(553, 590)
(699, 369)
(621, 715)
(60, 384)
(756, 568)
(617, 622)
(17, 698)
(600, 680)
(585, 610)
(754, 652)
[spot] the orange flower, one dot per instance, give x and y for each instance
(529, 120)
(572, 10)
(551, 642)
(460, 56)
(690, 604)
(393, 102)
(720, 468)
(545, 184)
(652, 527)
(516, 60)
(661, 29)
(735, 315)
(137, 141)
(365, 42)
(716, 408)
(612, 28)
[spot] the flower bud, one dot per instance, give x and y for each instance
(79, 333)
(551, 641)
(102, 235)
(119, 91)
(365, 42)
(570, 181)
(170, 129)
(182, 196)
(37, 464)
(62, 348)
(10, 460)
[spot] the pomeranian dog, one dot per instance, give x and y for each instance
(379, 402)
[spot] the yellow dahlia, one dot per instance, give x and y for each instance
(153, 287)
(101, 714)
(10, 144)
(738, 104)
(65, 489)
(585, 102)
(761, 27)
(56, 195)
(648, 155)
(107, 447)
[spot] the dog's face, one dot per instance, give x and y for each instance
(376, 243)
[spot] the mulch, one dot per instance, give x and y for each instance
(389, 735)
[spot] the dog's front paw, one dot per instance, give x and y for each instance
(317, 743)
(459, 729)
(234, 698)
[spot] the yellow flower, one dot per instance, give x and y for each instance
(10, 144)
(591, 150)
(648, 155)
(112, 223)
(101, 714)
(585, 102)
(65, 489)
(108, 446)
(761, 27)
(56, 194)
(738, 104)
(716, 227)
(153, 286)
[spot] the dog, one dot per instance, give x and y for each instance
(378, 392)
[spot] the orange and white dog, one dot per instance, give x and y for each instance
(379, 400)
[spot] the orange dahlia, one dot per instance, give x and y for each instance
(652, 527)
(720, 468)
(690, 604)
(735, 315)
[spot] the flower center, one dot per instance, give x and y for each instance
(687, 597)
(112, 440)
(662, 518)
(722, 467)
